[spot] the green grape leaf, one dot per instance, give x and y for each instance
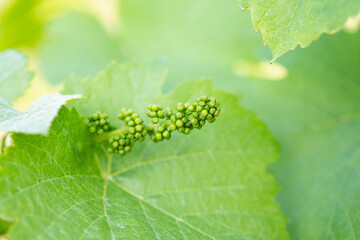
(286, 24)
(64, 49)
(315, 114)
(37, 119)
(14, 78)
(212, 184)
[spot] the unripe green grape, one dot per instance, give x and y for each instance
(158, 136)
(180, 107)
(186, 131)
(138, 135)
(138, 121)
(198, 109)
(191, 108)
(173, 118)
(155, 120)
(160, 128)
(152, 114)
(131, 123)
(160, 114)
(179, 123)
(172, 127)
(166, 134)
(179, 115)
(127, 149)
(181, 130)
(131, 130)
(122, 152)
(168, 112)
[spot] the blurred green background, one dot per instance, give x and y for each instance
(308, 98)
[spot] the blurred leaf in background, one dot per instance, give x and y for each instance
(20, 23)
(14, 77)
(76, 43)
(202, 38)
(315, 114)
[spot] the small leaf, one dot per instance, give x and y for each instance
(14, 78)
(286, 24)
(37, 119)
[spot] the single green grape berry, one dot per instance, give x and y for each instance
(110, 150)
(173, 118)
(172, 127)
(179, 115)
(160, 128)
(181, 130)
(202, 122)
(212, 110)
(141, 139)
(180, 107)
(202, 103)
(127, 119)
(187, 131)
(131, 123)
(179, 123)
(138, 128)
(138, 135)
(216, 114)
(155, 120)
(185, 120)
(194, 121)
(92, 129)
(152, 114)
(204, 98)
(187, 105)
(144, 132)
(115, 144)
(127, 149)
(158, 136)
(154, 108)
(138, 121)
(134, 116)
(160, 114)
(100, 131)
(204, 113)
(122, 142)
(198, 109)
(97, 122)
(191, 108)
(166, 134)
(122, 152)
(168, 112)
(211, 104)
(131, 130)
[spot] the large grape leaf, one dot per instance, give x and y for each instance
(196, 43)
(14, 78)
(315, 114)
(209, 185)
(75, 43)
(286, 24)
(38, 118)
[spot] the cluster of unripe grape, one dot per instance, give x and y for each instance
(185, 118)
